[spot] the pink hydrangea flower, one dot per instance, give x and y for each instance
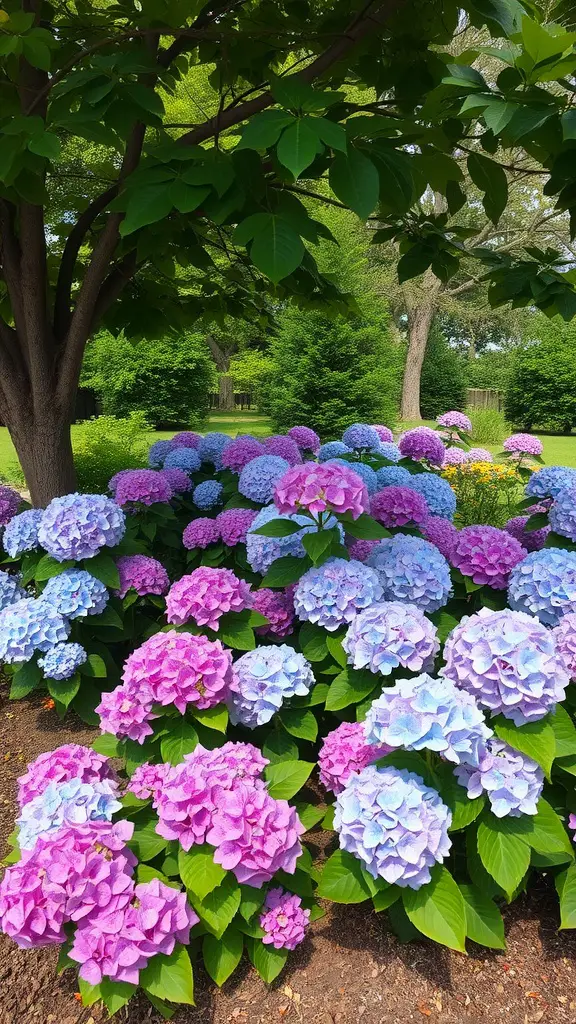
(319, 488)
(200, 533)
(486, 554)
(144, 574)
(454, 456)
(278, 607)
(283, 919)
(124, 713)
(205, 595)
(479, 455)
(70, 761)
(146, 779)
(345, 752)
(234, 524)
(523, 444)
(384, 433)
(180, 669)
(399, 506)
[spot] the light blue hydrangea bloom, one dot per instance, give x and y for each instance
(549, 481)
(331, 594)
(211, 447)
(183, 458)
(262, 551)
(75, 593)
(393, 476)
(361, 437)
(412, 569)
(389, 635)
(66, 803)
(512, 781)
(208, 494)
(389, 450)
(429, 714)
(366, 473)
(21, 533)
(62, 661)
(264, 678)
(331, 450)
(78, 526)
(544, 584)
(395, 824)
(27, 626)
(258, 477)
(562, 515)
(158, 452)
(10, 589)
(440, 497)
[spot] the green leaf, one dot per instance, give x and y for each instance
(146, 843)
(309, 814)
(464, 811)
(342, 879)
(564, 732)
(170, 977)
(298, 146)
(318, 545)
(104, 568)
(354, 179)
(267, 960)
(115, 994)
(506, 857)
(364, 527)
(438, 910)
(90, 993)
(277, 249)
(491, 179)
(286, 570)
(384, 898)
(146, 205)
(48, 567)
(200, 874)
(263, 130)
(278, 528)
(350, 687)
(222, 956)
(331, 133)
(252, 900)
(334, 645)
(236, 633)
(213, 718)
(484, 923)
(181, 740)
(566, 889)
(45, 144)
(219, 907)
(313, 641)
(63, 691)
(547, 833)
(108, 745)
(109, 617)
(300, 722)
(444, 623)
(536, 739)
(286, 778)
(279, 747)
(94, 666)
(25, 679)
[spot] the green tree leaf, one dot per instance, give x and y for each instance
(263, 131)
(438, 910)
(170, 977)
(484, 923)
(343, 880)
(490, 179)
(200, 874)
(222, 956)
(181, 740)
(94, 666)
(277, 249)
(298, 146)
(354, 179)
(286, 778)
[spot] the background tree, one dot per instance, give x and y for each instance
(542, 385)
(443, 382)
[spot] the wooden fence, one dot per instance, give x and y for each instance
(484, 398)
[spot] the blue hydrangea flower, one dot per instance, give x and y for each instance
(389, 635)
(66, 803)
(361, 436)
(512, 781)
(208, 494)
(562, 515)
(158, 452)
(440, 497)
(331, 450)
(211, 447)
(366, 473)
(429, 714)
(183, 458)
(549, 481)
(412, 569)
(544, 584)
(62, 661)
(10, 589)
(395, 824)
(389, 450)
(393, 476)
(77, 526)
(333, 593)
(21, 533)
(29, 625)
(259, 476)
(75, 593)
(262, 551)
(264, 678)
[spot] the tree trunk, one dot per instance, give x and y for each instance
(44, 447)
(226, 393)
(419, 324)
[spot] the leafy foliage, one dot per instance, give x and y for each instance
(542, 386)
(442, 384)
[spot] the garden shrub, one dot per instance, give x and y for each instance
(107, 444)
(443, 380)
(488, 426)
(542, 387)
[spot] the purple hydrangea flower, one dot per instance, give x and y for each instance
(186, 459)
(158, 452)
(212, 446)
(332, 450)
(361, 437)
(205, 595)
(398, 506)
(285, 447)
(306, 438)
(487, 555)
(392, 476)
(143, 487)
(62, 661)
(440, 532)
(264, 679)
(389, 450)
(240, 452)
(333, 593)
(147, 780)
(125, 713)
(200, 533)
(513, 781)
(394, 824)
(258, 478)
(345, 752)
(21, 533)
(66, 803)
(439, 496)
(384, 433)
(544, 584)
(75, 593)
(412, 570)
(454, 456)
(479, 455)
(78, 526)
(562, 513)
(320, 487)
(565, 640)
(549, 481)
(208, 494)
(143, 574)
(278, 607)
(359, 550)
(455, 419)
(390, 635)
(186, 439)
(422, 443)
(234, 524)
(10, 502)
(532, 540)
(180, 669)
(509, 662)
(10, 589)
(29, 625)
(283, 920)
(523, 444)
(179, 481)
(70, 761)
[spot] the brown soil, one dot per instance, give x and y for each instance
(351, 969)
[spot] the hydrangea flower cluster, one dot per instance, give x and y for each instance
(208, 494)
(147, 779)
(211, 447)
(392, 476)
(158, 452)
(454, 456)
(361, 437)
(262, 551)
(259, 476)
(398, 506)
(234, 524)
(10, 502)
(142, 487)
(394, 824)
(413, 570)
(143, 574)
(487, 555)
(389, 450)
(331, 594)
(70, 761)
(390, 635)
(180, 669)
(78, 526)
(509, 662)
(240, 452)
(456, 420)
(200, 533)
(512, 781)
(523, 444)
(185, 459)
(179, 481)
(532, 540)
(306, 438)
(10, 589)
(62, 661)
(440, 532)
(366, 473)
(384, 433)
(565, 640)
(439, 495)
(75, 593)
(432, 714)
(320, 488)
(562, 514)
(422, 443)
(283, 920)
(278, 607)
(344, 752)
(21, 533)
(544, 584)
(29, 625)
(549, 481)
(479, 455)
(263, 680)
(205, 595)
(186, 439)
(283, 446)
(66, 803)
(332, 450)
(125, 713)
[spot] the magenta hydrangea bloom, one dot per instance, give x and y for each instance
(487, 555)
(125, 714)
(422, 443)
(455, 419)
(440, 532)
(179, 481)
(143, 574)
(283, 446)
(344, 752)
(384, 433)
(200, 533)
(278, 607)
(320, 488)
(234, 524)
(186, 439)
(70, 761)
(306, 438)
(359, 550)
(283, 919)
(479, 455)
(565, 638)
(532, 540)
(10, 502)
(205, 595)
(523, 444)
(454, 456)
(399, 506)
(240, 452)
(180, 669)
(147, 779)
(143, 486)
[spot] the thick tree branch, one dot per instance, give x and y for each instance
(10, 253)
(113, 285)
(34, 297)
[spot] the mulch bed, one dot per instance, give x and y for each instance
(351, 970)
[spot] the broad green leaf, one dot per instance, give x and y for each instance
(491, 179)
(566, 889)
(278, 528)
(506, 857)
(94, 667)
(564, 732)
(63, 691)
(48, 567)
(146, 843)
(252, 900)
(464, 810)
(309, 814)
(277, 249)
(384, 898)
(286, 570)
(267, 960)
(444, 623)
(300, 722)
(146, 873)
(213, 718)
(313, 641)
(264, 130)
(279, 747)
(318, 545)
(334, 645)
(484, 923)
(222, 956)
(298, 146)
(438, 910)
(354, 179)
(170, 977)
(181, 740)
(219, 907)
(410, 760)
(331, 133)
(540, 42)
(286, 778)
(547, 833)
(350, 687)
(115, 994)
(146, 206)
(25, 679)
(108, 745)
(342, 879)
(198, 871)
(536, 739)
(45, 144)
(364, 527)
(104, 568)
(90, 993)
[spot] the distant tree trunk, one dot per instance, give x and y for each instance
(226, 392)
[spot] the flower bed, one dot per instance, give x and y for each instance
(251, 627)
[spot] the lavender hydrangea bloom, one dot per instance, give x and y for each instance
(66, 803)
(412, 570)
(384, 433)
(240, 452)
(345, 751)
(523, 444)
(479, 455)
(186, 439)
(21, 533)
(234, 524)
(259, 476)
(29, 625)
(125, 712)
(532, 540)
(562, 514)
(186, 459)
(509, 662)
(389, 451)
(422, 443)
(142, 486)
(158, 452)
(331, 594)
(212, 446)
(361, 437)
(544, 584)
(366, 473)
(10, 589)
(513, 781)
(454, 456)
(394, 824)
(10, 502)
(440, 497)
(487, 555)
(78, 526)
(70, 761)
(179, 481)
(549, 481)
(331, 450)
(208, 494)
(565, 640)
(265, 678)
(62, 661)
(306, 438)
(455, 419)
(143, 574)
(390, 635)
(399, 506)
(392, 476)
(75, 594)
(285, 447)
(440, 532)
(200, 533)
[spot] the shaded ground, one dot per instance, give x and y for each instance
(350, 970)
